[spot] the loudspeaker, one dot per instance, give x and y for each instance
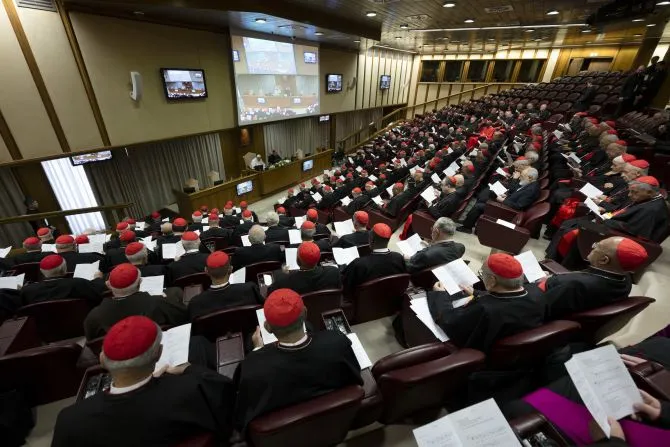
(136, 80)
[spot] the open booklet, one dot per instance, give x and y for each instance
(344, 227)
(531, 268)
(175, 346)
(455, 274)
(343, 256)
(479, 425)
(411, 245)
(604, 384)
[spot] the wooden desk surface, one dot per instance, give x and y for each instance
(276, 179)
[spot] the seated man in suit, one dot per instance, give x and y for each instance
(399, 199)
(215, 230)
(258, 251)
(138, 255)
(313, 216)
(297, 368)
(519, 198)
(243, 207)
(329, 198)
(114, 241)
(284, 220)
(124, 282)
(311, 276)
(140, 233)
(245, 226)
(66, 247)
(275, 232)
(506, 308)
(192, 399)
(33, 253)
(359, 202)
(307, 232)
(442, 249)
(192, 261)
(229, 219)
(196, 218)
(116, 256)
(360, 236)
(382, 261)
(605, 281)
(450, 199)
(173, 233)
(371, 190)
(55, 286)
(221, 294)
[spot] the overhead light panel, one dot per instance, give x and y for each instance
(398, 37)
(261, 20)
(662, 3)
(650, 25)
(530, 30)
(404, 26)
(371, 14)
(357, 41)
(138, 13)
(449, 5)
(553, 12)
(469, 21)
(318, 33)
(638, 20)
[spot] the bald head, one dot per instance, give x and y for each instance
(605, 255)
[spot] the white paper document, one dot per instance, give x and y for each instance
(86, 271)
(140, 225)
(590, 191)
(604, 384)
(153, 285)
(344, 227)
(372, 178)
(501, 172)
(505, 223)
(343, 256)
(175, 346)
(317, 197)
(390, 190)
(359, 168)
(498, 188)
(455, 274)
(48, 248)
(429, 195)
(205, 228)
(239, 276)
(205, 220)
(267, 279)
(150, 244)
(450, 172)
(350, 160)
(12, 282)
(480, 425)
(345, 201)
(411, 245)
(420, 308)
(413, 169)
(167, 219)
(299, 221)
(294, 237)
(172, 251)
(267, 337)
(593, 207)
(359, 351)
(531, 268)
(291, 258)
(558, 134)
(281, 200)
(91, 248)
(4, 252)
(99, 238)
(575, 158)
(245, 240)
(378, 200)
(435, 178)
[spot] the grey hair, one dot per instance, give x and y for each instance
(55, 273)
(256, 235)
(483, 146)
(272, 219)
(307, 233)
(166, 227)
(445, 225)
(145, 360)
(531, 173)
(191, 245)
(507, 283)
(532, 156)
(138, 258)
(197, 219)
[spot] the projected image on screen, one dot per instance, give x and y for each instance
(274, 80)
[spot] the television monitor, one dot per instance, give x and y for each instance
(307, 165)
(385, 82)
(260, 100)
(324, 118)
(244, 187)
(297, 100)
(333, 83)
(82, 159)
(309, 57)
(184, 83)
(236, 56)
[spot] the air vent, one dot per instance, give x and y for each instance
(44, 5)
(499, 9)
(383, 2)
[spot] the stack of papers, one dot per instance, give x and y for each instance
(86, 271)
(175, 343)
(455, 274)
(359, 351)
(378, 200)
(429, 195)
(294, 237)
(590, 191)
(498, 188)
(172, 251)
(604, 384)
(435, 178)
(420, 308)
(291, 258)
(12, 282)
(91, 248)
(505, 223)
(501, 172)
(588, 202)
(46, 248)
(343, 228)
(482, 424)
(238, 276)
(343, 256)
(531, 268)
(149, 243)
(153, 285)
(345, 201)
(4, 252)
(317, 197)
(245, 240)
(411, 245)
(299, 221)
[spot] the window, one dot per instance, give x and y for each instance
(430, 71)
(530, 70)
(477, 71)
(452, 71)
(502, 71)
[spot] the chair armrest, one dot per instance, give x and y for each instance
(653, 378)
(499, 211)
(553, 267)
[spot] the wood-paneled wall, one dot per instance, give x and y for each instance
(376, 62)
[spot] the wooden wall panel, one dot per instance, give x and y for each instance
(342, 62)
(5, 156)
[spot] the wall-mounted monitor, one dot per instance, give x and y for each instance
(260, 100)
(236, 56)
(244, 187)
(333, 83)
(297, 101)
(309, 57)
(324, 118)
(385, 82)
(184, 83)
(307, 165)
(83, 159)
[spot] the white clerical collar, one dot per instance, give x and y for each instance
(299, 342)
(218, 286)
(195, 250)
(128, 389)
(381, 250)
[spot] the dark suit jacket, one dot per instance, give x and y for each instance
(216, 232)
(322, 229)
(434, 255)
(154, 270)
(394, 205)
(358, 204)
(231, 295)
(645, 219)
(523, 196)
(231, 221)
(63, 288)
(73, 258)
(242, 229)
(27, 257)
(287, 222)
(445, 206)
(353, 240)
(257, 253)
(371, 267)
(188, 264)
(113, 257)
(276, 233)
(306, 281)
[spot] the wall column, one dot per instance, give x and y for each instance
(645, 51)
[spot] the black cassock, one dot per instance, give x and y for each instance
(277, 376)
(165, 411)
(64, 288)
(488, 317)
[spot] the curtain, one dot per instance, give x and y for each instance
(350, 122)
(147, 175)
(288, 136)
(12, 205)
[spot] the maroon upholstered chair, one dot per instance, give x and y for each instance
(321, 301)
(491, 234)
(422, 223)
(425, 278)
(323, 421)
(653, 378)
(201, 279)
(533, 217)
(217, 324)
(379, 297)
(340, 214)
(372, 404)
(260, 267)
(17, 335)
(600, 322)
(215, 243)
(30, 269)
(325, 216)
(57, 319)
(202, 440)
(529, 347)
(377, 216)
(296, 212)
(423, 378)
(497, 210)
(49, 373)
(544, 194)
(533, 423)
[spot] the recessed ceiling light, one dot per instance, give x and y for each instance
(491, 39)
(538, 39)
(398, 37)
(318, 33)
(586, 30)
(662, 3)
(553, 12)
(651, 24)
(260, 20)
(370, 13)
(138, 13)
(404, 26)
(638, 20)
(530, 30)
(449, 5)
(637, 35)
(357, 41)
(469, 21)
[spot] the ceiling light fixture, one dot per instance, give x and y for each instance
(261, 20)
(138, 13)
(530, 30)
(404, 26)
(539, 39)
(637, 35)
(638, 20)
(586, 30)
(469, 21)
(553, 12)
(662, 3)
(318, 33)
(398, 37)
(357, 41)
(650, 25)
(371, 14)
(449, 5)
(492, 28)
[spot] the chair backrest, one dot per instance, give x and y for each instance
(364, 250)
(326, 418)
(321, 301)
(235, 319)
(215, 243)
(58, 319)
(543, 185)
(379, 297)
(534, 423)
(261, 267)
(416, 381)
(95, 345)
(30, 269)
(533, 345)
(533, 217)
(201, 279)
(653, 378)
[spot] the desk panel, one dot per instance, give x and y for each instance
(216, 196)
(274, 180)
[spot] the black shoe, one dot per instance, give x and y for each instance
(464, 229)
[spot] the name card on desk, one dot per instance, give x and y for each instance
(294, 237)
(344, 227)
(153, 285)
(505, 223)
(86, 271)
(343, 256)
